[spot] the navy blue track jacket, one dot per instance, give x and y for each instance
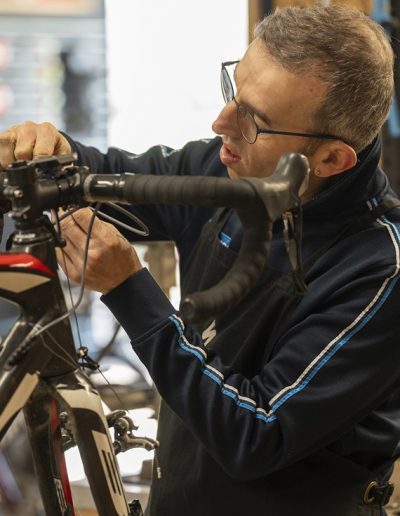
(333, 378)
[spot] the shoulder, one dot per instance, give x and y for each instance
(202, 156)
(371, 250)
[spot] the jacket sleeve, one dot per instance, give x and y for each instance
(165, 222)
(331, 368)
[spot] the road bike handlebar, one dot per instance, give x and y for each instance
(27, 189)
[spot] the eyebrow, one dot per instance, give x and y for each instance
(263, 116)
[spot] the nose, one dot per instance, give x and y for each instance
(226, 122)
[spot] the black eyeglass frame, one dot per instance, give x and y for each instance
(229, 96)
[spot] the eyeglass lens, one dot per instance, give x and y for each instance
(246, 124)
(226, 86)
(245, 120)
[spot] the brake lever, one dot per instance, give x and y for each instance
(288, 183)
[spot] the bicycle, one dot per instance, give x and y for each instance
(40, 371)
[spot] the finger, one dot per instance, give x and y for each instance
(75, 242)
(49, 141)
(73, 234)
(79, 218)
(62, 145)
(71, 260)
(7, 144)
(83, 219)
(25, 142)
(100, 229)
(62, 258)
(74, 252)
(68, 266)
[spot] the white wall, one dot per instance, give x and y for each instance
(163, 67)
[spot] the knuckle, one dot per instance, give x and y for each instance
(48, 129)
(8, 137)
(28, 124)
(82, 214)
(94, 256)
(26, 129)
(46, 137)
(25, 137)
(48, 126)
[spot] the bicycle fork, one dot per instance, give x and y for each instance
(89, 426)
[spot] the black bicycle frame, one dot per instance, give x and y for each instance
(42, 377)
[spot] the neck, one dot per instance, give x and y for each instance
(315, 186)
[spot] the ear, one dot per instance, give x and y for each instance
(332, 158)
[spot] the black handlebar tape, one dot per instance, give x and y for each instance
(152, 189)
(201, 191)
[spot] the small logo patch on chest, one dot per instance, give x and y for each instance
(209, 333)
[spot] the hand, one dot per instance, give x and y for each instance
(111, 258)
(29, 141)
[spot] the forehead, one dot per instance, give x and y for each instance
(266, 84)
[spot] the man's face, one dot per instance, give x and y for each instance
(283, 101)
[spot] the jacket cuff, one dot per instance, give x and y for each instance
(138, 304)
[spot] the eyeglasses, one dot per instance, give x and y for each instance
(247, 125)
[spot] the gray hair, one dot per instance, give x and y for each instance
(349, 52)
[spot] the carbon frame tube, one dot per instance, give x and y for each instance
(49, 462)
(89, 426)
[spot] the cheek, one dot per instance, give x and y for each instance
(265, 160)
(260, 163)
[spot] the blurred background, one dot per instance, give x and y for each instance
(131, 74)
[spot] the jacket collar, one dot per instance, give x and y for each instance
(350, 191)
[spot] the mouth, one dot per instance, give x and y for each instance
(227, 156)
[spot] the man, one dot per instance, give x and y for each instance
(289, 404)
